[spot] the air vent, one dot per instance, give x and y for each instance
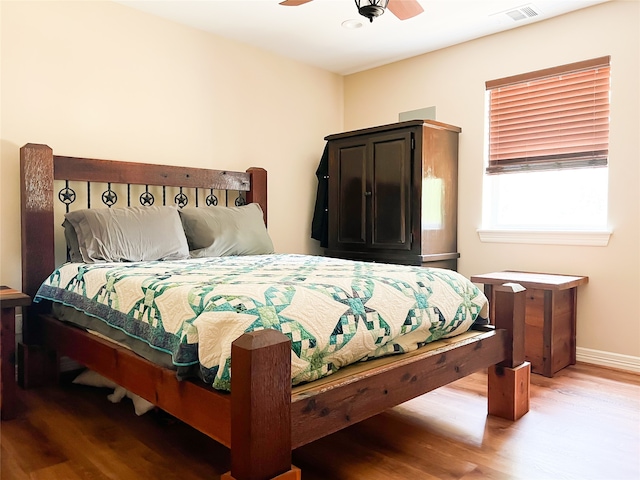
(521, 13)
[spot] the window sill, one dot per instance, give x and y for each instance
(548, 237)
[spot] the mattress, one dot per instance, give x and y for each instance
(336, 312)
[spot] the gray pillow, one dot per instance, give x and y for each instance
(129, 234)
(72, 242)
(222, 231)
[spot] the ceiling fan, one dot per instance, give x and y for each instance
(403, 9)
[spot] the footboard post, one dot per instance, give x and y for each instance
(509, 380)
(261, 408)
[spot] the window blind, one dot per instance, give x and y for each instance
(550, 119)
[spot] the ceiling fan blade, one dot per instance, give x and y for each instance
(294, 3)
(405, 9)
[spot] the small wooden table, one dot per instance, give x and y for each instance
(9, 300)
(550, 316)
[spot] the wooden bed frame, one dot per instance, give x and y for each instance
(263, 418)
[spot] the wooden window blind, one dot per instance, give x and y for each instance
(550, 119)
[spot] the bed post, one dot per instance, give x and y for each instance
(36, 181)
(261, 408)
(258, 192)
(35, 364)
(508, 381)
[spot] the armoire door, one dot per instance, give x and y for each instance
(388, 191)
(347, 200)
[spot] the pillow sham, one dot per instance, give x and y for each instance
(129, 234)
(223, 231)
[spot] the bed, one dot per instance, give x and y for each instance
(264, 415)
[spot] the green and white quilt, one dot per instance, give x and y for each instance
(335, 312)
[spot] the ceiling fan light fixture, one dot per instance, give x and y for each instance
(371, 8)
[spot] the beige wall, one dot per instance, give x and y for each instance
(102, 80)
(453, 79)
(97, 79)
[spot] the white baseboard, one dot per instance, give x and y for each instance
(608, 359)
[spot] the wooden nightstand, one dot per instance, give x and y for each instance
(9, 300)
(550, 316)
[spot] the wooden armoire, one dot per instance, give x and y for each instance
(393, 192)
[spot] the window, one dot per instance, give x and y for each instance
(548, 149)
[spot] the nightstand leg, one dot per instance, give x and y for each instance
(8, 355)
(547, 352)
(574, 314)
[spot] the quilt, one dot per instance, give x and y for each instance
(336, 312)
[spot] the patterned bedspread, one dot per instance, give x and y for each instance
(336, 312)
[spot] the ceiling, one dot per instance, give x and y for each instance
(313, 33)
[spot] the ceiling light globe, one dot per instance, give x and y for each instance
(371, 8)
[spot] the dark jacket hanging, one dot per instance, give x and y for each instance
(320, 223)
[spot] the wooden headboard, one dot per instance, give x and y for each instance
(39, 168)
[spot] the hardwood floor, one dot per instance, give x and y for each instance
(584, 424)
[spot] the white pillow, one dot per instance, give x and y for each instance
(94, 379)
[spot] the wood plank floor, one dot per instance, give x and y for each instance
(584, 424)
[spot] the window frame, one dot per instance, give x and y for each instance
(596, 236)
